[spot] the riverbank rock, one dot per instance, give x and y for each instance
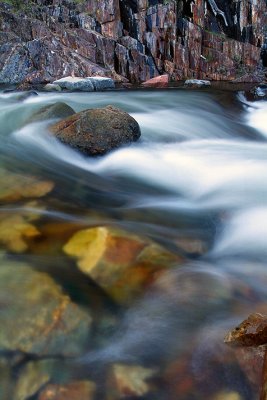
(57, 110)
(137, 40)
(77, 390)
(122, 264)
(88, 84)
(258, 92)
(37, 317)
(197, 83)
(161, 81)
(97, 131)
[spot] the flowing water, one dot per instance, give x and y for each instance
(198, 172)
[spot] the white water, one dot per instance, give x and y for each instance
(195, 163)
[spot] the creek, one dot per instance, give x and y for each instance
(197, 175)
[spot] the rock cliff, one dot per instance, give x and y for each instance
(135, 40)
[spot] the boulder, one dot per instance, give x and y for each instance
(97, 131)
(57, 110)
(71, 83)
(197, 83)
(88, 84)
(161, 81)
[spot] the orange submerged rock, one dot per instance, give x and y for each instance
(82, 390)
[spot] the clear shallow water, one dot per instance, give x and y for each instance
(198, 172)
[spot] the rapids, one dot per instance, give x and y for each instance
(198, 171)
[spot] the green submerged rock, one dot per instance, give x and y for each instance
(57, 110)
(37, 317)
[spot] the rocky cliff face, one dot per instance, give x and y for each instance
(131, 39)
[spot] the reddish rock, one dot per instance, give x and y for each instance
(131, 40)
(251, 332)
(161, 81)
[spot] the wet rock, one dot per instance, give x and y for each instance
(129, 381)
(259, 92)
(161, 81)
(77, 390)
(57, 110)
(26, 95)
(37, 317)
(32, 378)
(14, 187)
(88, 84)
(97, 131)
(250, 360)
(192, 246)
(251, 332)
(198, 83)
(121, 263)
(52, 87)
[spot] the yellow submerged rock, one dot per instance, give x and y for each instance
(16, 228)
(129, 381)
(120, 263)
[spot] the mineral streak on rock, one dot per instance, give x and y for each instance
(251, 332)
(134, 40)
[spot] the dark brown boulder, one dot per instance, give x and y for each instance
(97, 131)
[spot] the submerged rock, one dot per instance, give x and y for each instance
(6, 383)
(37, 317)
(57, 110)
(129, 381)
(31, 378)
(122, 264)
(97, 131)
(15, 230)
(88, 84)
(77, 390)
(15, 187)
